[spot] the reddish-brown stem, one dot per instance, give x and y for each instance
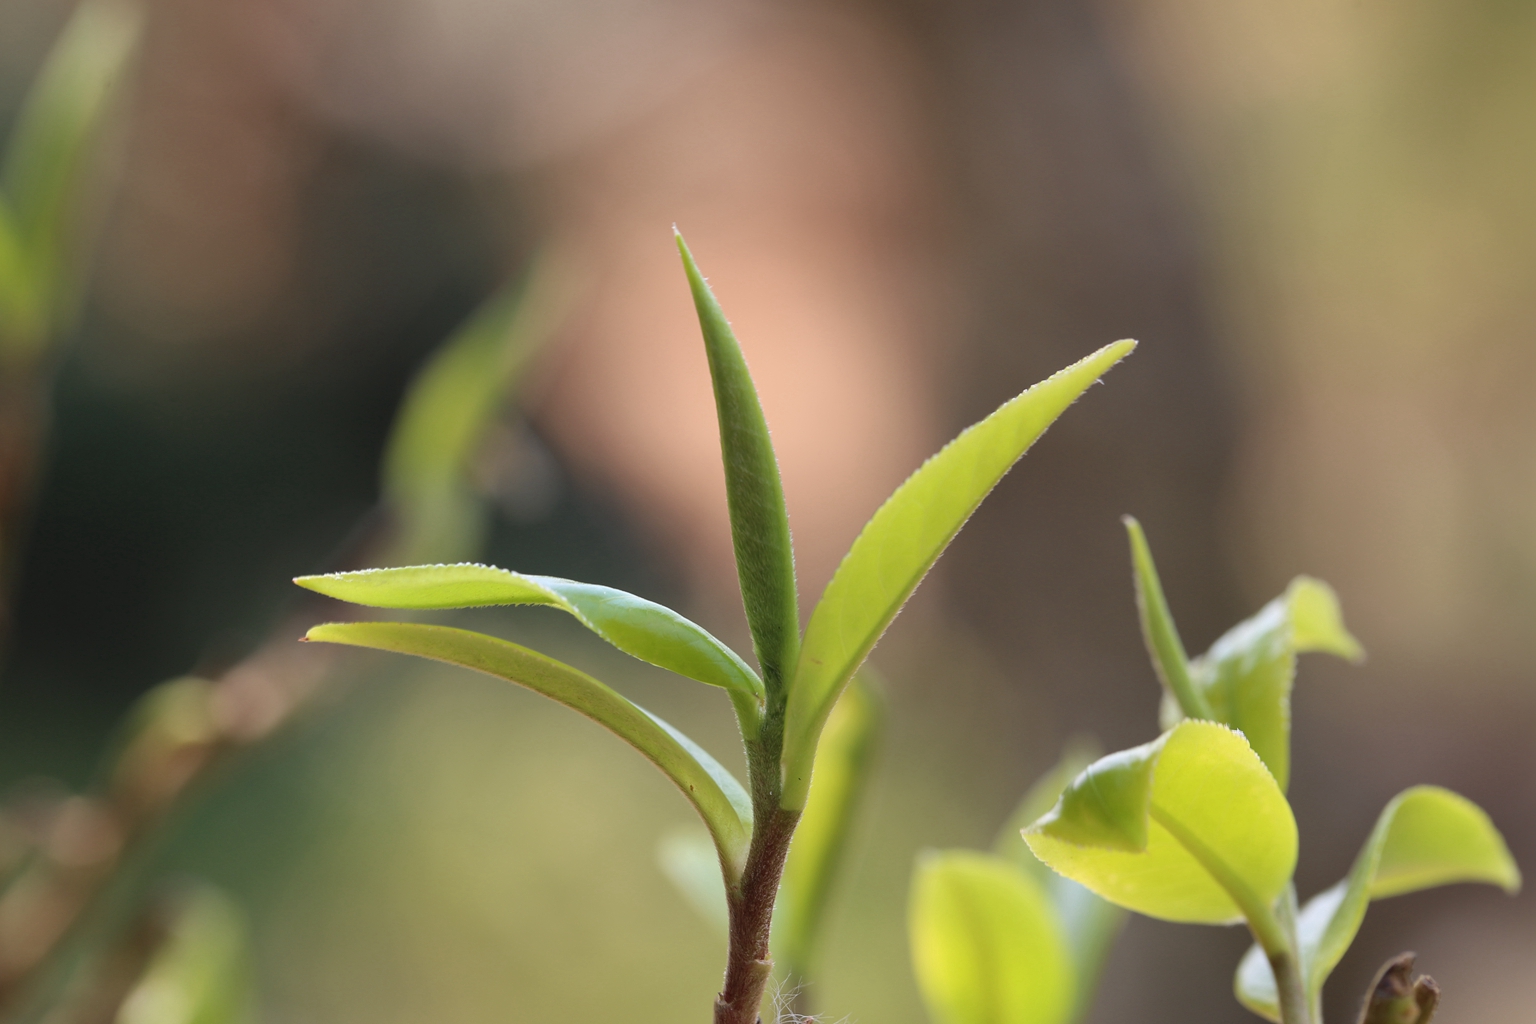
(749, 963)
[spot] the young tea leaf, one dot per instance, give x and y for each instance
(842, 771)
(1247, 675)
(900, 544)
(1089, 924)
(765, 558)
(1426, 837)
(714, 792)
(648, 631)
(1161, 635)
(1190, 827)
(986, 946)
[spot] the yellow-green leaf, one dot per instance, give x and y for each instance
(648, 631)
(1190, 827)
(687, 857)
(1089, 923)
(202, 974)
(986, 945)
(1426, 837)
(901, 542)
(1247, 675)
(765, 558)
(843, 762)
(714, 792)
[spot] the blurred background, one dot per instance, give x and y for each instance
(1316, 218)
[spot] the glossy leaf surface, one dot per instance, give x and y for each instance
(715, 793)
(902, 541)
(986, 946)
(1426, 837)
(1247, 675)
(648, 631)
(765, 560)
(1190, 827)
(1089, 923)
(843, 763)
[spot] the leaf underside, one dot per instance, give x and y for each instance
(900, 544)
(714, 792)
(648, 631)
(1426, 837)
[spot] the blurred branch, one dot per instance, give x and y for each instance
(72, 870)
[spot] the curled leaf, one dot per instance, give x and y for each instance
(986, 945)
(648, 631)
(714, 792)
(1426, 837)
(901, 542)
(1190, 827)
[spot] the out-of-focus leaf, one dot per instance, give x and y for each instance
(1427, 836)
(48, 151)
(901, 542)
(986, 946)
(648, 631)
(1190, 827)
(444, 417)
(688, 859)
(1159, 631)
(202, 974)
(765, 558)
(22, 322)
(1247, 675)
(714, 792)
(1088, 923)
(843, 762)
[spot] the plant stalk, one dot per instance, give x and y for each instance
(749, 962)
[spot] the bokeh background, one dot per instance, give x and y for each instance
(1316, 217)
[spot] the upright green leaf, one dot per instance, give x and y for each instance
(765, 558)
(1190, 827)
(1089, 924)
(1159, 631)
(842, 771)
(445, 415)
(1426, 837)
(714, 792)
(900, 544)
(986, 946)
(1247, 675)
(202, 974)
(648, 631)
(59, 122)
